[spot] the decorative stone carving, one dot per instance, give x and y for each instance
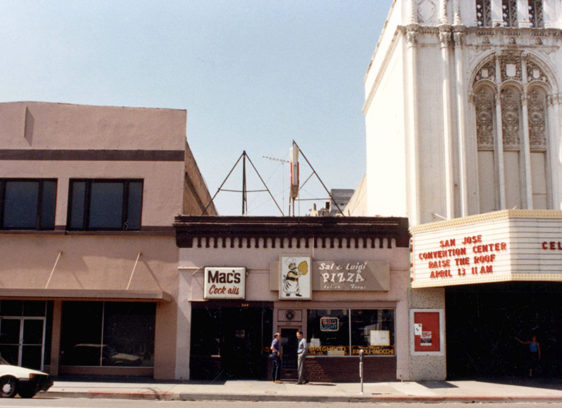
(536, 107)
(484, 102)
(536, 19)
(488, 72)
(445, 38)
(535, 73)
(411, 37)
(426, 11)
(510, 67)
(510, 108)
(509, 13)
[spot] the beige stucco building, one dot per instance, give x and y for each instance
(88, 259)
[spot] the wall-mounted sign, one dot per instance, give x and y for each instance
(351, 275)
(225, 283)
(294, 278)
(329, 276)
(329, 324)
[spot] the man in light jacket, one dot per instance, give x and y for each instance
(301, 353)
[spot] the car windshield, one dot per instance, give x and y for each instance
(3, 361)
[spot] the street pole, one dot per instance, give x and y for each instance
(361, 352)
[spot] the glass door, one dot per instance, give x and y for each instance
(22, 341)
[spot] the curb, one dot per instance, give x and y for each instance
(165, 396)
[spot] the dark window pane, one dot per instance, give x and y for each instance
(9, 331)
(34, 308)
(48, 204)
(11, 308)
(128, 334)
(78, 200)
(31, 357)
(106, 205)
(32, 331)
(20, 204)
(81, 333)
(135, 206)
(10, 354)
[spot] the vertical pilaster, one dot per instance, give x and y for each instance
(445, 40)
(523, 13)
(526, 145)
(461, 109)
(499, 139)
(55, 338)
(497, 16)
(413, 126)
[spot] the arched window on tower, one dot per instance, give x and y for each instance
(536, 14)
(512, 134)
(509, 13)
(483, 13)
(511, 127)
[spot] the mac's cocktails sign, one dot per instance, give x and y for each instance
(225, 283)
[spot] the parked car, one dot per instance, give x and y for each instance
(89, 354)
(23, 381)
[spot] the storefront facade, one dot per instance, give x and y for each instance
(501, 276)
(343, 281)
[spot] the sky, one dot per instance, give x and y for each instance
(253, 75)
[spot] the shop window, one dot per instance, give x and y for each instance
(346, 331)
(108, 334)
(105, 204)
(27, 204)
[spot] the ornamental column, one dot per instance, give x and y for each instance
(412, 128)
(445, 40)
(526, 144)
(499, 137)
(461, 110)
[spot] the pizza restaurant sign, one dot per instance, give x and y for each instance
(225, 283)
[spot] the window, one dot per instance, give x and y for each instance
(483, 13)
(344, 332)
(108, 333)
(27, 204)
(536, 14)
(506, 140)
(105, 205)
(509, 13)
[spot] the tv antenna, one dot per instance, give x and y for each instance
(244, 157)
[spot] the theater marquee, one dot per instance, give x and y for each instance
(510, 245)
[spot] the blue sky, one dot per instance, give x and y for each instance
(252, 74)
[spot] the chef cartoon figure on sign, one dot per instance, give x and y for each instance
(291, 275)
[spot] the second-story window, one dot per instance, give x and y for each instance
(483, 13)
(105, 205)
(27, 203)
(536, 14)
(509, 13)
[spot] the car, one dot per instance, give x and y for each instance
(23, 381)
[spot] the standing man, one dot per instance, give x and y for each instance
(276, 354)
(301, 353)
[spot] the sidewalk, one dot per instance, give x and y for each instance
(461, 391)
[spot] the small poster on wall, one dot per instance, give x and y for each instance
(294, 278)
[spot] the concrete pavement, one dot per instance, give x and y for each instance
(249, 390)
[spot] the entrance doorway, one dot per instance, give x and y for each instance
(289, 345)
(22, 341)
(484, 320)
(230, 340)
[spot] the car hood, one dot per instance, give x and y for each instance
(18, 372)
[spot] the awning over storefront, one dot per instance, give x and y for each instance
(502, 246)
(87, 295)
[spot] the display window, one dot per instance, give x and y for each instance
(108, 334)
(344, 332)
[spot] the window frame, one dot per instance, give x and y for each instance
(38, 210)
(86, 221)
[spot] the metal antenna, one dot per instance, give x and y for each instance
(244, 156)
(319, 179)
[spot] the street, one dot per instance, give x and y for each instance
(47, 402)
